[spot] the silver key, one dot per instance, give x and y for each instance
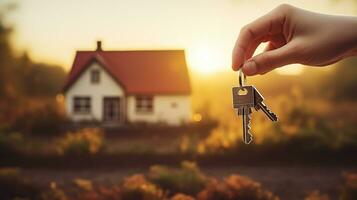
(259, 104)
(243, 100)
(247, 136)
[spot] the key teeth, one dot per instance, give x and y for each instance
(249, 136)
(273, 114)
(249, 121)
(265, 107)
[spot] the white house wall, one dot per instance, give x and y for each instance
(163, 110)
(106, 87)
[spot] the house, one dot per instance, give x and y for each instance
(149, 86)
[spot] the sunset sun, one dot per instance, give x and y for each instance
(203, 59)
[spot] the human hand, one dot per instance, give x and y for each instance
(294, 36)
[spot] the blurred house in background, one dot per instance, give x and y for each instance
(150, 86)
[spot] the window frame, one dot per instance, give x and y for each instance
(144, 104)
(95, 76)
(82, 104)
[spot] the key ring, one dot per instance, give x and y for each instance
(242, 78)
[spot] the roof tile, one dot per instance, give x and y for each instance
(140, 72)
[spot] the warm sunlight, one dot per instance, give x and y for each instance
(204, 59)
(137, 100)
(293, 69)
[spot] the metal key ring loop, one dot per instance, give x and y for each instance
(242, 78)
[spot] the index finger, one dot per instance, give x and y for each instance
(256, 32)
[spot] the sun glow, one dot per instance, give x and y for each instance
(293, 69)
(204, 59)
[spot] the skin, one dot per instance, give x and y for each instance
(294, 35)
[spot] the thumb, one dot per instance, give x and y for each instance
(269, 60)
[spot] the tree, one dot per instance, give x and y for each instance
(20, 76)
(6, 54)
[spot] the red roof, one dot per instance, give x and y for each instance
(139, 72)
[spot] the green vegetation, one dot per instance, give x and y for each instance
(44, 119)
(349, 188)
(188, 179)
(21, 77)
(235, 187)
(143, 187)
(11, 143)
(25, 85)
(83, 142)
(13, 185)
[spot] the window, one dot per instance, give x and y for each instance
(95, 78)
(82, 105)
(144, 104)
(173, 105)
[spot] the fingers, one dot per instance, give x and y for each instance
(275, 42)
(254, 33)
(269, 60)
(250, 51)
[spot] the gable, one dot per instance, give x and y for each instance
(139, 72)
(107, 85)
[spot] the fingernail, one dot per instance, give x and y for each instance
(235, 68)
(250, 67)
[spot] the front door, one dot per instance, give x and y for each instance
(111, 109)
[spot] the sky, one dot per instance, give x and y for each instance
(52, 31)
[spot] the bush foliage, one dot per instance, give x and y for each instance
(11, 143)
(13, 185)
(140, 187)
(154, 186)
(83, 142)
(349, 188)
(188, 179)
(235, 187)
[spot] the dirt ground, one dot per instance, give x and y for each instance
(292, 183)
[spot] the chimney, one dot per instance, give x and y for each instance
(99, 45)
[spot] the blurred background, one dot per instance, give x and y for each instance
(309, 154)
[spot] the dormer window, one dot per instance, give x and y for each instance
(95, 76)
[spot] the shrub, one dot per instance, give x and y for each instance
(215, 191)
(13, 185)
(349, 188)
(188, 179)
(137, 187)
(235, 187)
(180, 196)
(83, 142)
(101, 192)
(10, 143)
(316, 195)
(84, 184)
(40, 119)
(54, 193)
(110, 193)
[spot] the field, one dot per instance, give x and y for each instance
(293, 183)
